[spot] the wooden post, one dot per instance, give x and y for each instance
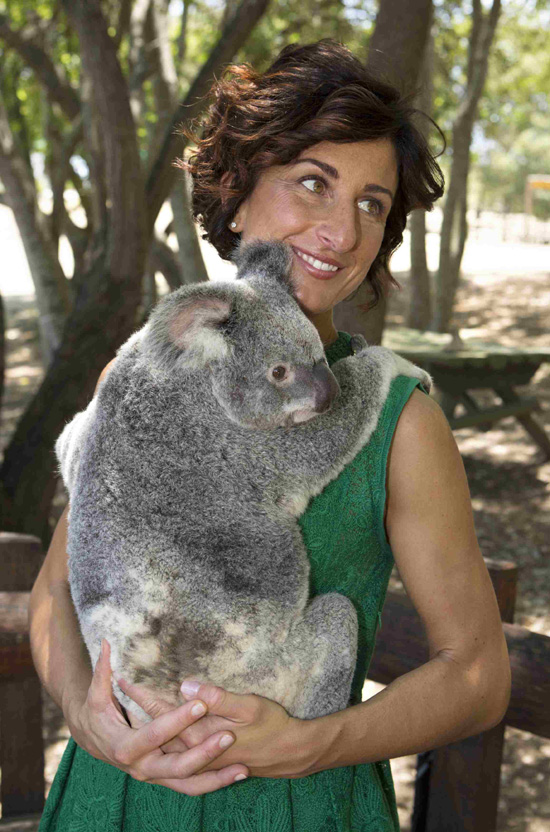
(21, 742)
(457, 786)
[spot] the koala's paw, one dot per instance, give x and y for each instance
(407, 368)
(358, 343)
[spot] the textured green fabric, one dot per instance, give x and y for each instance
(344, 534)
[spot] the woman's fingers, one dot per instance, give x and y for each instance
(185, 765)
(210, 781)
(161, 730)
(203, 728)
(101, 729)
(101, 692)
(148, 700)
(236, 706)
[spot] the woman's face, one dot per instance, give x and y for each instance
(330, 205)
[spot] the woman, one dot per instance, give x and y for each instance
(319, 154)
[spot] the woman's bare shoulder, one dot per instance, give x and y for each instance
(424, 459)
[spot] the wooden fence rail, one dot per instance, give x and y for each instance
(21, 743)
(457, 785)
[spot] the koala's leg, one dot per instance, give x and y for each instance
(324, 645)
(69, 445)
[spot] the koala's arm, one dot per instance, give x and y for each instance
(60, 656)
(69, 444)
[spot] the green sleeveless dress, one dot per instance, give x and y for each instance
(344, 533)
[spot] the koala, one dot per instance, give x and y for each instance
(211, 431)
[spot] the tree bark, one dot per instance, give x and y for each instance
(192, 268)
(420, 306)
(2, 352)
(454, 227)
(396, 53)
(49, 281)
(139, 63)
(190, 255)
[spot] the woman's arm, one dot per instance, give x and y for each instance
(95, 720)
(465, 686)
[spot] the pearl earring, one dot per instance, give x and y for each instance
(233, 224)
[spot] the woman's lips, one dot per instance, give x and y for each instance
(321, 274)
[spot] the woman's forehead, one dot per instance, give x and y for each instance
(351, 161)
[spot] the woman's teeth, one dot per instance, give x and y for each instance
(317, 264)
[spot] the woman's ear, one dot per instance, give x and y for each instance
(239, 218)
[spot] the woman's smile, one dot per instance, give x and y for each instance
(321, 268)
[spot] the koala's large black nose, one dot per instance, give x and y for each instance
(326, 387)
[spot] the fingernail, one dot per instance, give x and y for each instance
(240, 777)
(226, 741)
(190, 688)
(198, 709)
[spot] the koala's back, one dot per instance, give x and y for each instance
(161, 541)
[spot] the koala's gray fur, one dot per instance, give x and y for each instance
(186, 475)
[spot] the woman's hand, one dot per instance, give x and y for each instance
(99, 727)
(269, 741)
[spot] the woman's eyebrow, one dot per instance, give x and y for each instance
(331, 171)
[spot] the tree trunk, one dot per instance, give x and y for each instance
(2, 352)
(396, 53)
(420, 305)
(99, 321)
(190, 255)
(454, 228)
(165, 90)
(49, 281)
(234, 35)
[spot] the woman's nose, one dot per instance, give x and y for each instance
(339, 230)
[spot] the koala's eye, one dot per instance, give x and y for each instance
(278, 373)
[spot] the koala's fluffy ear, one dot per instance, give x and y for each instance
(188, 327)
(267, 259)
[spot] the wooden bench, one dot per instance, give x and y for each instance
(21, 743)
(460, 368)
(457, 786)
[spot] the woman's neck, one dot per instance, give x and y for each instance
(324, 325)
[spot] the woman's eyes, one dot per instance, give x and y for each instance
(314, 180)
(317, 185)
(374, 204)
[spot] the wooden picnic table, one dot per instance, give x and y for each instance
(460, 366)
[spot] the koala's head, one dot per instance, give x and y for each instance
(264, 358)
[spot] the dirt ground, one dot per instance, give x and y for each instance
(509, 483)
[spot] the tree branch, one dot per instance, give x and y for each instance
(42, 65)
(234, 35)
(126, 227)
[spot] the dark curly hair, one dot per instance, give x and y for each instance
(312, 93)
